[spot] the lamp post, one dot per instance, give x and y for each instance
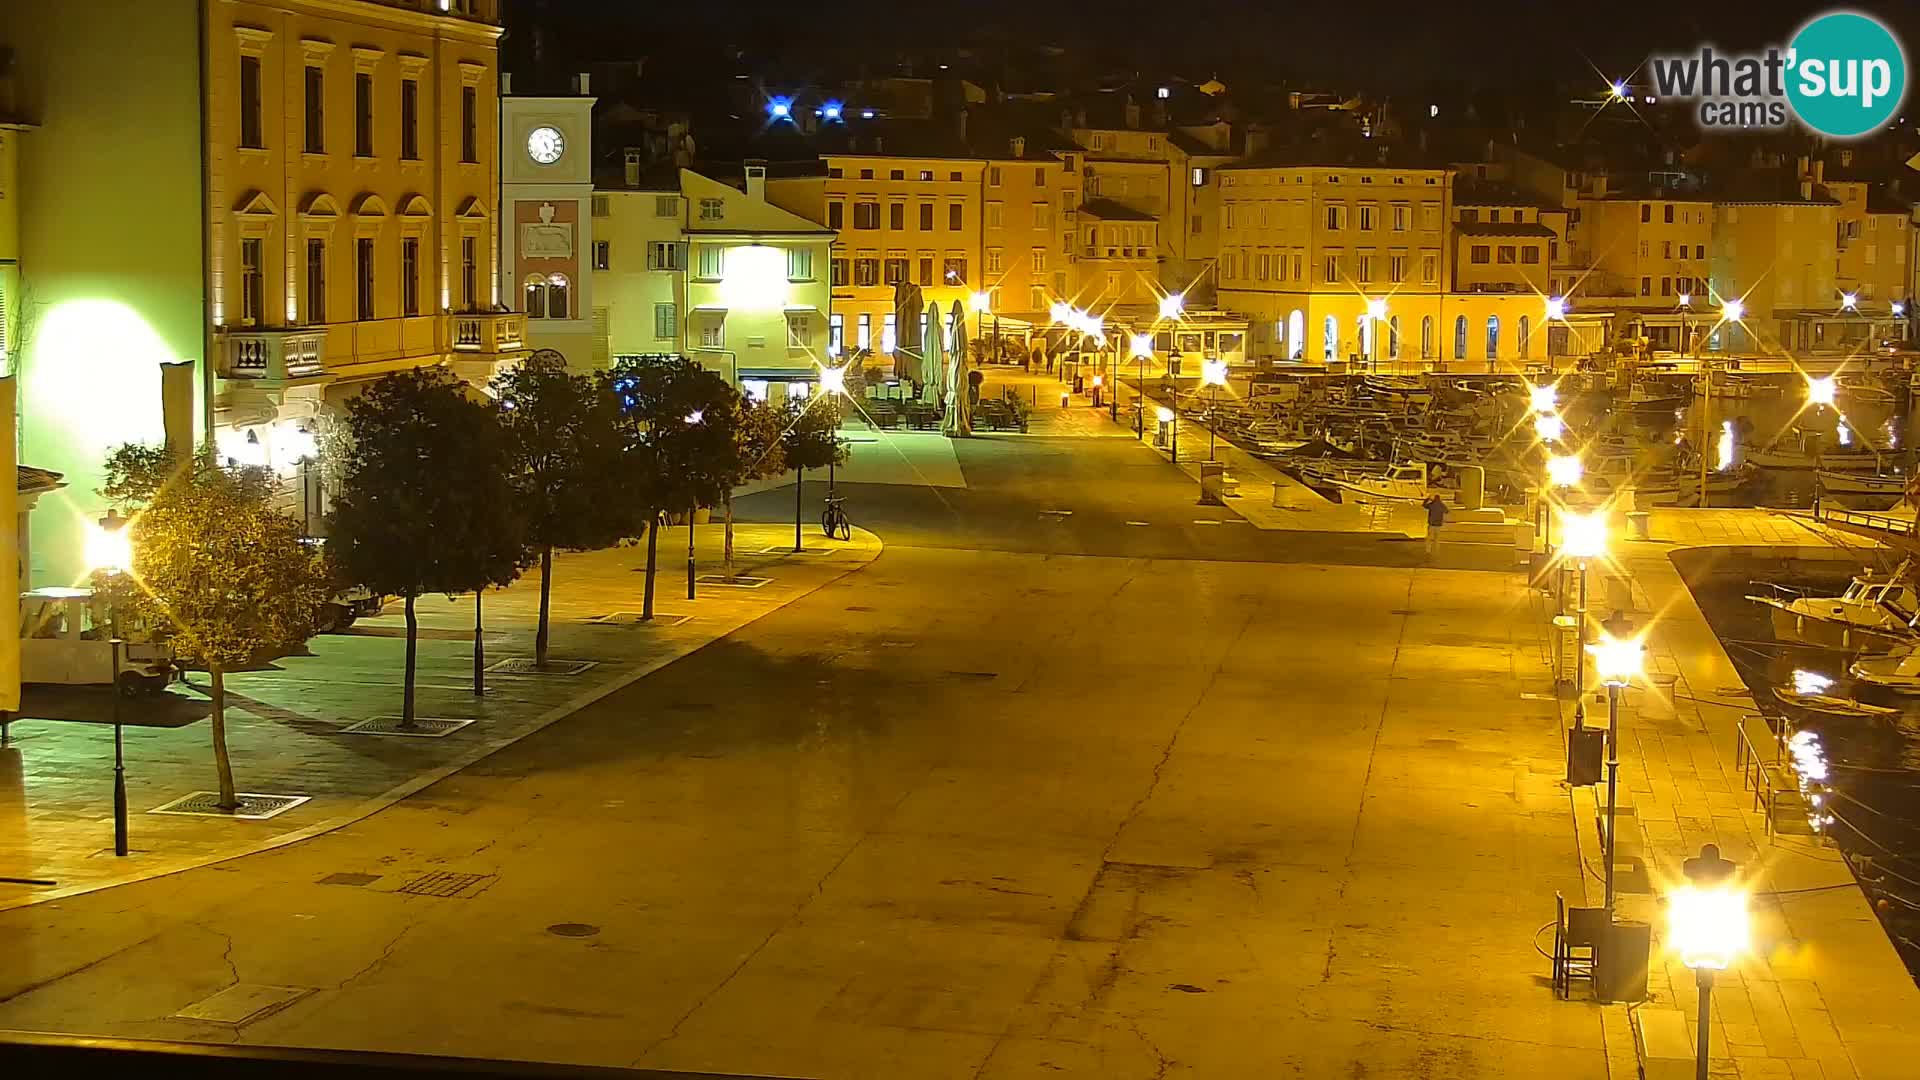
(693, 418)
(1582, 537)
(1617, 663)
(1142, 345)
(1563, 472)
(1172, 420)
(110, 548)
(1214, 374)
(1376, 313)
(1707, 920)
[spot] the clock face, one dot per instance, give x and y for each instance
(545, 145)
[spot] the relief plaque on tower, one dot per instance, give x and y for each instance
(547, 238)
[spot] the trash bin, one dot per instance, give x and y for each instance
(1160, 434)
(1620, 962)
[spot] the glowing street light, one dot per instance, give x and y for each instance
(1213, 375)
(1544, 399)
(1556, 307)
(1563, 470)
(1173, 305)
(109, 548)
(1820, 391)
(1549, 427)
(833, 380)
(1583, 536)
(695, 417)
(1166, 418)
(1617, 663)
(1059, 311)
(1142, 345)
(1708, 926)
(1618, 91)
(1850, 301)
(1732, 309)
(108, 545)
(1686, 300)
(1899, 309)
(1377, 309)
(981, 301)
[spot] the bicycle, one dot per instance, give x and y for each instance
(833, 520)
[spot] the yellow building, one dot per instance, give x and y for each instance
(1775, 251)
(298, 197)
(1873, 234)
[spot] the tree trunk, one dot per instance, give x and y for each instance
(726, 559)
(222, 764)
(546, 606)
(799, 485)
(653, 547)
(479, 647)
(406, 694)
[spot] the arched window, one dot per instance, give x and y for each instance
(1493, 336)
(1426, 337)
(1523, 334)
(1363, 333)
(1331, 344)
(1460, 337)
(536, 303)
(557, 296)
(1393, 338)
(1297, 334)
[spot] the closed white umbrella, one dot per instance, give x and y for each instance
(958, 422)
(932, 358)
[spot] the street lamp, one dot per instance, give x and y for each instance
(1213, 373)
(1142, 348)
(1563, 470)
(1166, 417)
(982, 303)
(1549, 427)
(1850, 301)
(1820, 391)
(1556, 308)
(1582, 537)
(1173, 305)
(1617, 663)
(833, 384)
(1707, 921)
(694, 418)
(109, 548)
(1545, 398)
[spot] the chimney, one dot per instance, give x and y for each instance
(506, 84)
(960, 125)
(1066, 119)
(1080, 118)
(1806, 187)
(1133, 114)
(1846, 156)
(1159, 113)
(583, 84)
(1819, 171)
(757, 180)
(1256, 139)
(633, 166)
(1017, 146)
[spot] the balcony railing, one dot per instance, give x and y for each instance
(489, 332)
(273, 353)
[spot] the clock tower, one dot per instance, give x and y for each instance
(546, 220)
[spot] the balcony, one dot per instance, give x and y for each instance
(272, 354)
(489, 332)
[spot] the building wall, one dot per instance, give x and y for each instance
(1028, 249)
(110, 279)
(1776, 257)
(549, 238)
(1872, 249)
(1646, 263)
(760, 291)
(630, 287)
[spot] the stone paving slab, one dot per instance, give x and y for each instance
(286, 724)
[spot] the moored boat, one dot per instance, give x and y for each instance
(1869, 614)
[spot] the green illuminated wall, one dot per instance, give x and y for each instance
(111, 221)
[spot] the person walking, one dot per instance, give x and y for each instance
(1436, 517)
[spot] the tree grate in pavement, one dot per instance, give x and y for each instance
(253, 805)
(638, 618)
(423, 727)
(738, 581)
(348, 878)
(525, 665)
(447, 884)
(778, 550)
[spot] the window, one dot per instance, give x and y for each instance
(1530, 254)
(602, 254)
(363, 114)
(410, 275)
(1480, 254)
(799, 330)
(410, 119)
(954, 176)
(1666, 286)
(993, 176)
(1669, 214)
(363, 278)
(1429, 216)
(1699, 251)
(1336, 217)
(1297, 275)
(469, 124)
(895, 269)
(866, 215)
(1043, 215)
(996, 261)
(713, 209)
(602, 206)
(896, 215)
(557, 296)
(925, 276)
(1039, 260)
(1426, 337)
(838, 269)
(863, 337)
(1523, 333)
(799, 264)
(1330, 338)
(1646, 286)
(469, 272)
(954, 211)
(887, 338)
(1646, 213)
(866, 271)
(1297, 334)
(1366, 268)
(955, 272)
(926, 216)
(666, 322)
(995, 214)
(666, 206)
(926, 174)
(713, 334)
(316, 281)
(316, 136)
(536, 293)
(1400, 217)
(1199, 177)
(1396, 269)
(252, 282)
(712, 262)
(1469, 215)
(667, 255)
(1037, 298)
(1393, 338)
(836, 172)
(1330, 270)
(836, 215)
(1460, 337)
(1226, 216)
(1366, 217)
(250, 134)
(836, 334)
(1493, 336)
(866, 174)
(897, 174)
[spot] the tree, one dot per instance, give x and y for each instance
(760, 453)
(812, 441)
(427, 501)
(562, 435)
(677, 446)
(225, 575)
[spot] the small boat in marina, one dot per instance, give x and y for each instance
(1804, 450)
(1871, 613)
(1839, 483)
(1809, 691)
(1738, 387)
(1649, 396)
(1898, 671)
(1405, 482)
(1863, 389)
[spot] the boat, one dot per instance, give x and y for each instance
(1802, 452)
(1839, 483)
(1829, 704)
(1650, 396)
(1405, 482)
(1738, 386)
(1898, 671)
(1869, 614)
(1863, 389)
